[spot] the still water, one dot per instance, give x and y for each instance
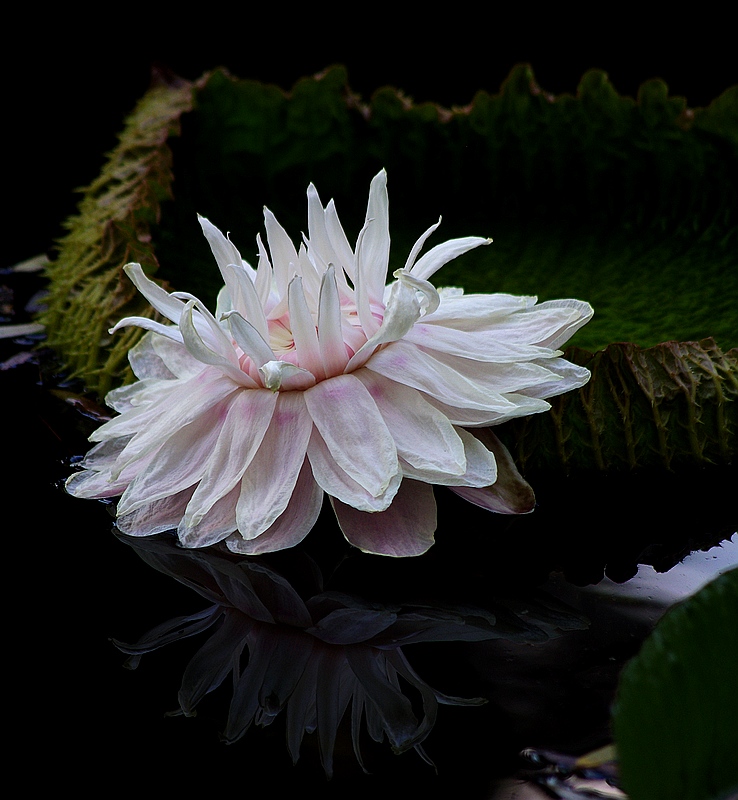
(507, 635)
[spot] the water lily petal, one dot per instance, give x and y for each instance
(304, 331)
(180, 462)
(406, 528)
(477, 345)
(269, 481)
(147, 324)
(336, 482)
(481, 466)
(146, 362)
(292, 525)
(520, 406)
(225, 252)
(167, 305)
(284, 255)
(241, 433)
(210, 528)
(246, 300)
(441, 254)
(404, 363)
(330, 334)
(375, 245)
(401, 313)
(476, 312)
(510, 493)
(152, 426)
(418, 246)
(284, 375)
(580, 312)
(423, 435)
(155, 517)
(248, 338)
(91, 485)
(355, 433)
(338, 240)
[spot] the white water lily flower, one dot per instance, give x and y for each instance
(312, 377)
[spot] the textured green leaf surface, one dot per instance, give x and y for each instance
(677, 705)
(629, 204)
(671, 405)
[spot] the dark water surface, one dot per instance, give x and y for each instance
(574, 587)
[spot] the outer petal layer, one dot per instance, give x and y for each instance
(406, 528)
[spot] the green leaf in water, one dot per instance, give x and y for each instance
(629, 204)
(675, 717)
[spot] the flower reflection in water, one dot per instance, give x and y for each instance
(310, 659)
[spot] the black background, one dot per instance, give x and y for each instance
(69, 79)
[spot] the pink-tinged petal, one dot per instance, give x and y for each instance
(423, 435)
(304, 332)
(334, 480)
(441, 254)
(217, 350)
(354, 431)
(477, 345)
(401, 313)
(248, 338)
(268, 483)
(545, 324)
(293, 524)
(430, 299)
(180, 462)
(406, 528)
(318, 235)
(156, 517)
(510, 493)
(264, 275)
(177, 408)
(481, 466)
(362, 289)
(407, 364)
(332, 347)
(491, 378)
(93, 485)
(132, 395)
(104, 455)
(213, 527)
(143, 415)
(284, 376)
(310, 267)
(242, 430)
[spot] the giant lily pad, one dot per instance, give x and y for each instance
(629, 204)
(674, 719)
